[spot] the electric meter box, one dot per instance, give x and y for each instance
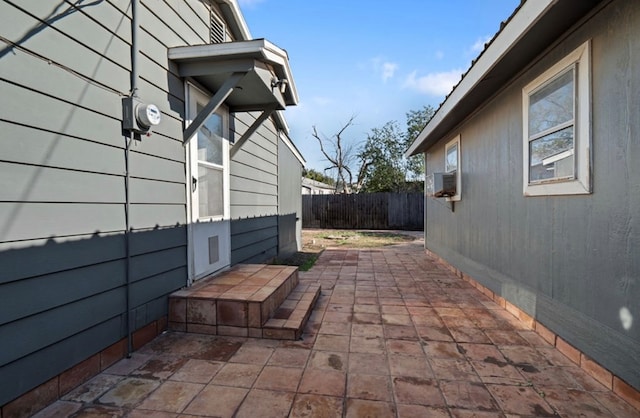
(138, 116)
(440, 185)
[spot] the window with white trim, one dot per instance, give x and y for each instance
(556, 124)
(452, 165)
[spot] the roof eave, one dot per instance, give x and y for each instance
(258, 49)
(521, 21)
(531, 28)
(235, 19)
(240, 30)
(281, 121)
(284, 136)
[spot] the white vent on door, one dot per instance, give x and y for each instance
(217, 29)
(214, 249)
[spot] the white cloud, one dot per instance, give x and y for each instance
(388, 70)
(478, 46)
(434, 84)
(439, 55)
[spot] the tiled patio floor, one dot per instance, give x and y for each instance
(393, 335)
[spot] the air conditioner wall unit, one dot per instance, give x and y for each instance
(441, 185)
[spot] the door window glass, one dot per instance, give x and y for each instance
(210, 191)
(210, 139)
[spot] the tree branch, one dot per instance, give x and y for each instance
(339, 156)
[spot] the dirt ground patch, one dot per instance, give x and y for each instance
(323, 238)
(314, 241)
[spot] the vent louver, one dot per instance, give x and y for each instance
(216, 30)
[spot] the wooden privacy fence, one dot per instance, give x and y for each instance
(364, 211)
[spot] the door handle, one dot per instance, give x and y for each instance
(194, 183)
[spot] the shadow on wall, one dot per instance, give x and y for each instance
(260, 239)
(65, 299)
(62, 10)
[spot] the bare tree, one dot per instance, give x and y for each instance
(365, 163)
(339, 154)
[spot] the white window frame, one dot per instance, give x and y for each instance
(458, 171)
(581, 183)
(193, 94)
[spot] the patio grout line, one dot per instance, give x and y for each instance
(475, 371)
(393, 401)
(457, 345)
(381, 278)
(448, 273)
(426, 356)
(450, 270)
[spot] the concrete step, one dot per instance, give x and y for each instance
(289, 320)
(241, 302)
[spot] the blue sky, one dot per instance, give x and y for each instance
(373, 59)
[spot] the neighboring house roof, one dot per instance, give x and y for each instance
(530, 30)
(316, 185)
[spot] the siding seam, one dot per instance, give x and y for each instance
(75, 104)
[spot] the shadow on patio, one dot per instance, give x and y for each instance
(393, 334)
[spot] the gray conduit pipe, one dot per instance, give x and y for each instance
(129, 141)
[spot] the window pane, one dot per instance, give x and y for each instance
(210, 139)
(452, 159)
(551, 156)
(552, 105)
(210, 192)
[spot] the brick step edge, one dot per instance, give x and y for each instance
(292, 328)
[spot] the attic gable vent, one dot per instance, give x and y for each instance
(217, 29)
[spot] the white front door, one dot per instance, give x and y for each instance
(208, 180)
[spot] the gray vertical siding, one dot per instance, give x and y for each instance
(290, 200)
(570, 261)
(62, 190)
